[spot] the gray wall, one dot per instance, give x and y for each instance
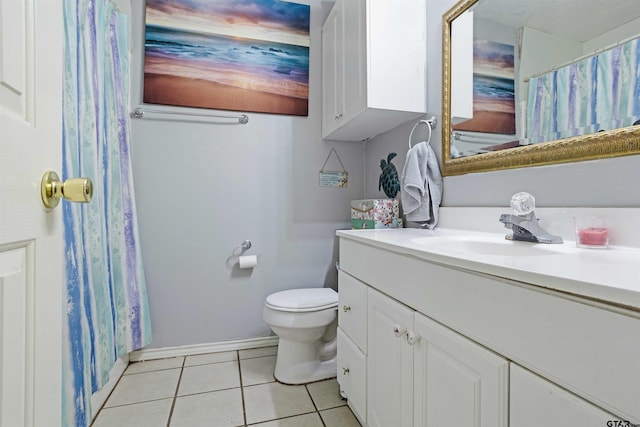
(600, 183)
(203, 188)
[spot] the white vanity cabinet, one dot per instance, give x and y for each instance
(373, 67)
(449, 346)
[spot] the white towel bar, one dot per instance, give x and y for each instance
(139, 113)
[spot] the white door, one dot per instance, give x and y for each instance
(389, 363)
(31, 35)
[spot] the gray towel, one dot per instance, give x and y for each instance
(421, 185)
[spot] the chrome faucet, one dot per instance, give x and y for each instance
(524, 222)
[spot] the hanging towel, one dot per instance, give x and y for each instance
(421, 185)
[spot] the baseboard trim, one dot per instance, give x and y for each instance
(100, 397)
(189, 350)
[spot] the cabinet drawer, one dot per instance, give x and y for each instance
(352, 309)
(352, 375)
(537, 402)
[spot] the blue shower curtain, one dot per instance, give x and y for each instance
(601, 92)
(105, 303)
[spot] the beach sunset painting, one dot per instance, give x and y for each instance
(493, 89)
(240, 55)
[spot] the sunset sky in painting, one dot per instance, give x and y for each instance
(493, 59)
(269, 20)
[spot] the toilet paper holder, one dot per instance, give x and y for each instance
(239, 251)
(244, 246)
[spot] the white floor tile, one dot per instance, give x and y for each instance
(258, 352)
(339, 417)
(326, 394)
(258, 370)
(215, 409)
(211, 377)
(154, 365)
(203, 359)
(307, 420)
(137, 388)
(270, 401)
(147, 414)
(209, 395)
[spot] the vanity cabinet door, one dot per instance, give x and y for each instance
(535, 401)
(457, 382)
(389, 363)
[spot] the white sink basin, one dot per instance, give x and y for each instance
(488, 245)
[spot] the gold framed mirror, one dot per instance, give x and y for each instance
(624, 141)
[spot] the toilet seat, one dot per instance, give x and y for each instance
(303, 300)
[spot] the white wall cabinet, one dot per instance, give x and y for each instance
(445, 346)
(373, 67)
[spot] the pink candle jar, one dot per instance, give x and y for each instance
(591, 232)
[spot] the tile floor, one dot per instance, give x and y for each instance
(230, 389)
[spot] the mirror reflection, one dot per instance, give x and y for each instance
(525, 72)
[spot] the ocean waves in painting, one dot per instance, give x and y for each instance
(245, 63)
(493, 87)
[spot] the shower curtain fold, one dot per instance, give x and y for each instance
(106, 301)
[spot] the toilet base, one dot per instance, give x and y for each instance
(298, 363)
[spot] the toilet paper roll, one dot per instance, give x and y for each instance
(248, 261)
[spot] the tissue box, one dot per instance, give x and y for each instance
(375, 213)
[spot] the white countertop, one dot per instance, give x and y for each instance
(610, 275)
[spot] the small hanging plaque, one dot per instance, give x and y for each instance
(333, 178)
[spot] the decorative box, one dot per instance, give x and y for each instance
(375, 213)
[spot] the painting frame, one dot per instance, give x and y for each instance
(494, 107)
(236, 55)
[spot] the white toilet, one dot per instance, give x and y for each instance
(305, 321)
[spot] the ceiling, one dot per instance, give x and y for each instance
(578, 20)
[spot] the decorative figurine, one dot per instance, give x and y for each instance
(389, 177)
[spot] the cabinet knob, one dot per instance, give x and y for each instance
(346, 308)
(338, 117)
(398, 330)
(412, 337)
(345, 371)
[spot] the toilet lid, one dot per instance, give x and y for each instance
(310, 299)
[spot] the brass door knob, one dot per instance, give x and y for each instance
(73, 189)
